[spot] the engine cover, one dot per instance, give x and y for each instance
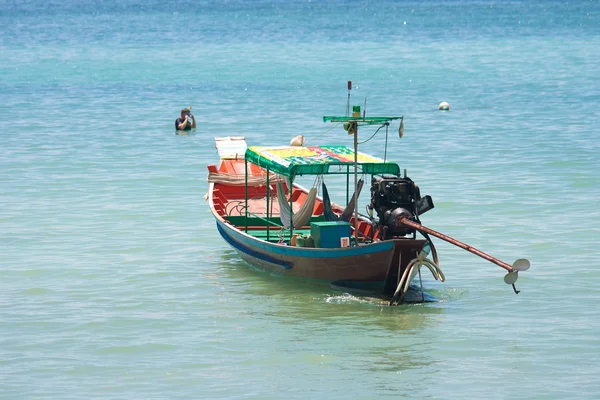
(394, 198)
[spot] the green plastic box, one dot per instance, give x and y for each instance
(327, 234)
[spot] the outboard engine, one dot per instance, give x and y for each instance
(394, 198)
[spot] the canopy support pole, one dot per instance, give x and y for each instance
(268, 195)
(347, 184)
(246, 192)
(291, 207)
(356, 185)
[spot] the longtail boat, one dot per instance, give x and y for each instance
(278, 225)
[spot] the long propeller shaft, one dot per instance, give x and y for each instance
(458, 243)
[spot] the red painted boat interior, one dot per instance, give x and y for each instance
(229, 200)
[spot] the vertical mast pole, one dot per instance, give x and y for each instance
(355, 166)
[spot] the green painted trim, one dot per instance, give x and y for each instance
(259, 221)
(366, 121)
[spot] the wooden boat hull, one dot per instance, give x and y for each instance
(368, 263)
(371, 261)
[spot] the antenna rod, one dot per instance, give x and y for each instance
(348, 104)
(365, 110)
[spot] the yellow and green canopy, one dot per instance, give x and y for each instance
(316, 160)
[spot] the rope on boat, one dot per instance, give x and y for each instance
(373, 135)
(412, 268)
(318, 136)
(240, 179)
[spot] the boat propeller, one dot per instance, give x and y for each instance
(521, 264)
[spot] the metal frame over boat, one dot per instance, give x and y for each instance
(255, 229)
(277, 225)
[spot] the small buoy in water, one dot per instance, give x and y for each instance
(297, 141)
(444, 106)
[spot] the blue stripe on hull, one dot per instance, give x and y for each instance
(265, 248)
(246, 250)
(366, 263)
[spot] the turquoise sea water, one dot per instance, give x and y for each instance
(115, 283)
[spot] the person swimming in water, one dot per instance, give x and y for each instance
(183, 122)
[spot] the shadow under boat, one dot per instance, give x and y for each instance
(375, 290)
(368, 292)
